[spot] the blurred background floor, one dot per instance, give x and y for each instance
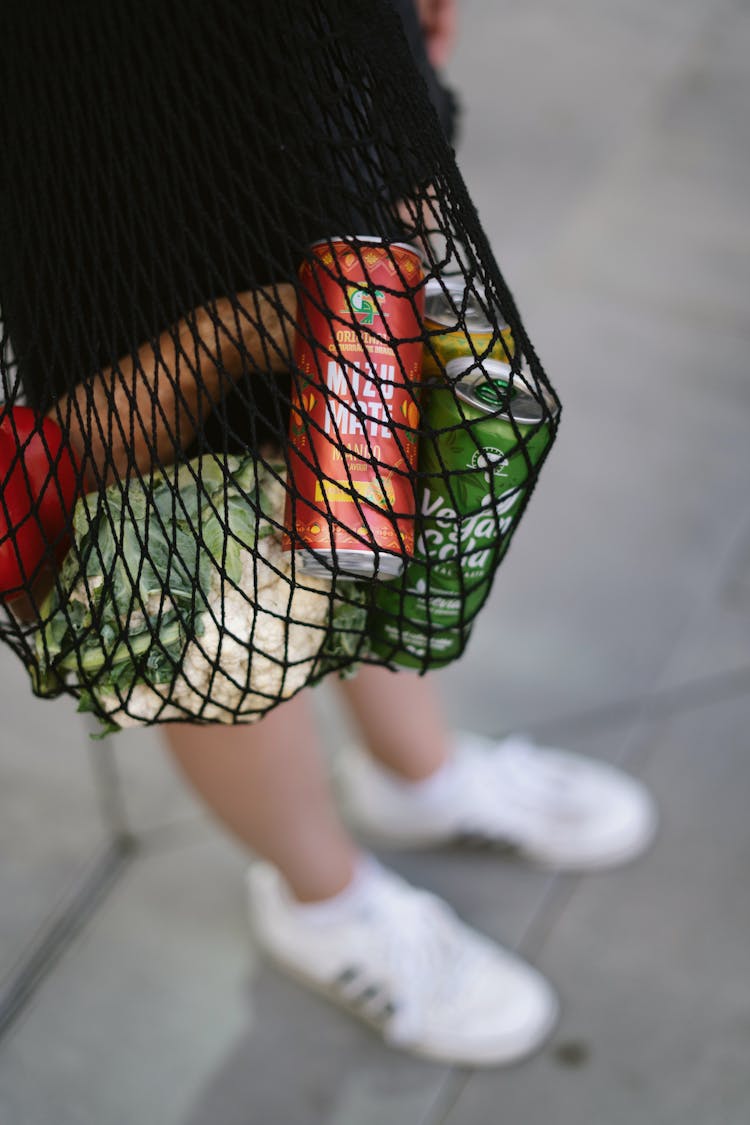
(607, 147)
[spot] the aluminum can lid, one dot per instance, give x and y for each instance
(366, 240)
(491, 387)
(447, 297)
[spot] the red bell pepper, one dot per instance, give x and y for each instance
(39, 484)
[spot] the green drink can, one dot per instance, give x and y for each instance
(488, 436)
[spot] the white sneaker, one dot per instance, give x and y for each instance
(553, 807)
(401, 960)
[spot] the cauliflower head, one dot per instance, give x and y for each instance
(215, 625)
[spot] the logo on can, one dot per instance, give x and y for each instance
(354, 411)
(364, 303)
(476, 474)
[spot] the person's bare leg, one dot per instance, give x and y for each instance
(266, 783)
(400, 719)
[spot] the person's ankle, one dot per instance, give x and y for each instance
(415, 770)
(427, 786)
(325, 881)
(342, 902)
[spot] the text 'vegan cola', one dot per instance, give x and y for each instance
(485, 434)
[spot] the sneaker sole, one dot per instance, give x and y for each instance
(616, 857)
(509, 1057)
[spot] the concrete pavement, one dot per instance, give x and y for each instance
(607, 149)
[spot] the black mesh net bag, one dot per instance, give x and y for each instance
(268, 409)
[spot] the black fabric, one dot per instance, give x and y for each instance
(132, 147)
(160, 156)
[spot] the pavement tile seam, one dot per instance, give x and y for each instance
(447, 1095)
(86, 899)
(189, 832)
(19, 987)
(553, 904)
(722, 1010)
(635, 753)
(735, 585)
(553, 900)
(703, 602)
(637, 750)
(57, 910)
(708, 691)
(173, 835)
(109, 788)
(685, 696)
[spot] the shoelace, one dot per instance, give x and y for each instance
(424, 951)
(518, 781)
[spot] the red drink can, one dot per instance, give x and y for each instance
(354, 410)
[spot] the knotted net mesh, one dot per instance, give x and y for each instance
(268, 406)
